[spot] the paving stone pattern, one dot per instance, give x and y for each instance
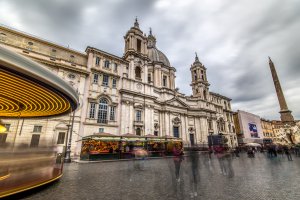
(200, 178)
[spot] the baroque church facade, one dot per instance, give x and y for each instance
(133, 94)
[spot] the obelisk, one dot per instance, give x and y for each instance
(285, 114)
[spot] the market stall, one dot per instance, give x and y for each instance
(129, 143)
(172, 142)
(155, 146)
(105, 146)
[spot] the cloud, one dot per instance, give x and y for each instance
(233, 39)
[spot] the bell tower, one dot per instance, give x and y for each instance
(199, 83)
(135, 42)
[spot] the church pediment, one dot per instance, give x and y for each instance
(176, 102)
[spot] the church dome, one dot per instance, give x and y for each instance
(156, 55)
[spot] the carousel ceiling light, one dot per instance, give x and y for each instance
(21, 97)
(28, 89)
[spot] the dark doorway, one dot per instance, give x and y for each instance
(192, 139)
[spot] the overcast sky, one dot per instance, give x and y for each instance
(233, 39)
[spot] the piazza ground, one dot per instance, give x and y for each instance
(251, 178)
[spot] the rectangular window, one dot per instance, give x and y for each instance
(116, 67)
(7, 126)
(3, 137)
(139, 45)
(114, 83)
(138, 115)
(101, 130)
(105, 80)
(92, 110)
(149, 78)
(164, 81)
(112, 113)
(37, 129)
(106, 64)
(61, 138)
(156, 133)
(95, 78)
(176, 131)
(35, 139)
(97, 60)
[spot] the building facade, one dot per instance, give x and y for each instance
(268, 133)
(249, 128)
(134, 93)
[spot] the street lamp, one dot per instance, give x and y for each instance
(68, 150)
(211, 141)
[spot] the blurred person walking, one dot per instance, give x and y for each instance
(288, 153)
(178, 157)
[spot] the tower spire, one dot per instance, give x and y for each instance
(136, 23)
(196, 58)
(285, 113)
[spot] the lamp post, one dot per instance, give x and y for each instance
(212, 141)
(68, 151)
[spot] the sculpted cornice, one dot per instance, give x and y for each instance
(125, 91)
(101, 71)
(59, 65)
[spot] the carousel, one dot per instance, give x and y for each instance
(29, 91)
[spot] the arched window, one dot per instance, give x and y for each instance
(138, 131)
(103, 110)
(204, 94)
(138, 73)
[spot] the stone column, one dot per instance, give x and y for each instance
(204, 127)
(131, 69)
(145, 73)
(155, 76)
(166, 118)
(198, 129)
(186, 127)
(151, 125)
(131, 119)
(159, 77)
(147, 119)
(161, 124)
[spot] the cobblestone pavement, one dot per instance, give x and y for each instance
(249, 178)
